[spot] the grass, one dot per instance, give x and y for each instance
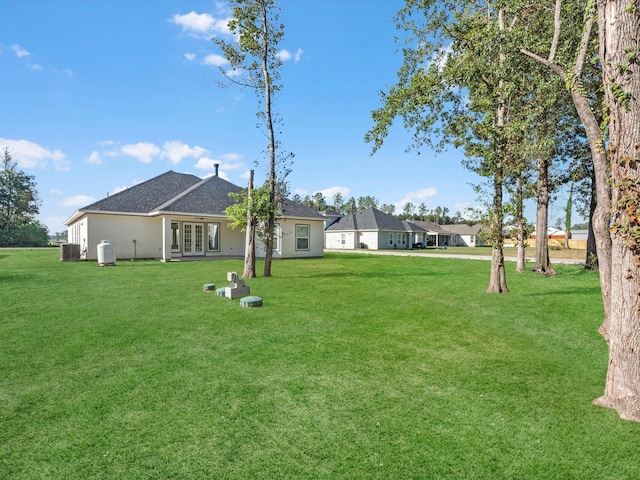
(554, 253)
(356, 366)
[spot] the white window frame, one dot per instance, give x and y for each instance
(216, 237)
(301, 237)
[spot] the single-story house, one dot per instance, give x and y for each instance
(372, 229)
(178, 215)
(457, 235)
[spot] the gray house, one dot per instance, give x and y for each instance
(176, 215)
(372, 229)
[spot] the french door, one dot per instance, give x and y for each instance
(193, 238)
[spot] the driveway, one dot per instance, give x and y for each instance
(419, 253)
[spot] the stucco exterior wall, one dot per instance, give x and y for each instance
(288, 239)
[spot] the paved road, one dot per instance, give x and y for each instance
(418, 253)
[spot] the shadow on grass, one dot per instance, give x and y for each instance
(2, 257)
(565, 292)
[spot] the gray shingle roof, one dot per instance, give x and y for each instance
(184, 193)
(208, 197)
(372, 219)
(147, 196)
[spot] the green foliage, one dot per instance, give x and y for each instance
(625, 221)
(260, 209)
(19, 204)
(154, 378)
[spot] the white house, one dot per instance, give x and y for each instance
(177, 215)
(372, 229)
(457, 235)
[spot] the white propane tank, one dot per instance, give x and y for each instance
(106, 253)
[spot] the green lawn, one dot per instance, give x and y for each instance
(357, 366)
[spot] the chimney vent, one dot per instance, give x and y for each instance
(216, 165)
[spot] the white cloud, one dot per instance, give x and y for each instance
(190, 56)
(118, 190)
(19, 51)
(55, 191)
(215, 60)
(329, 193)
(94, 157)
(143, 151)
(417, 197)
(37, 66)
(284, 55)
(300, 191)
(31, 155)
(76, 201)
(201, 24)
(175, 151)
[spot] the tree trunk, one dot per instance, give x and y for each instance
(498, 276)
(271, 223)
(521, 260)
(591, 261)
(619, 55)
(567, 218)
(542, 260)
(250, 238)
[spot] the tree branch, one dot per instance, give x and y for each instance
(553, 66)
(556, 31)
(584, 45)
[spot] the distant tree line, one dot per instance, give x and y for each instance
(19, 205)
(439, 215)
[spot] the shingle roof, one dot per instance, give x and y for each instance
(458, 228)
(290, 209)
(372, 219)
(183, 193)
(207, 197)
(147, 196)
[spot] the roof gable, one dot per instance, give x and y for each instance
(146, 196)
(208, 197)
(371, 219)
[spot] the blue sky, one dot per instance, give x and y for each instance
(100, 95)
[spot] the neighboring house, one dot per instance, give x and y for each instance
(457, 235)
(553, 233)
(372, 229)
(177, 215)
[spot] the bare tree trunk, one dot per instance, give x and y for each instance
(542, 260)
(498, 276)
(521, 260)
(250, 238)
(619, 55)
(591, 261)
(271, 222)
(567, 218)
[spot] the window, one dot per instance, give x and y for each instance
(175, 236)
(402, 239)
(213, 237)
(302, 237)
(343, 238)
(276, 238)
(391, 239)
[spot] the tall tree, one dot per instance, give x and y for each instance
(571, 33)
(619, 24)
(19, 204)
(454, 87)
(253, 56)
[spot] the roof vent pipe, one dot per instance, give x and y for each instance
(216, 165)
